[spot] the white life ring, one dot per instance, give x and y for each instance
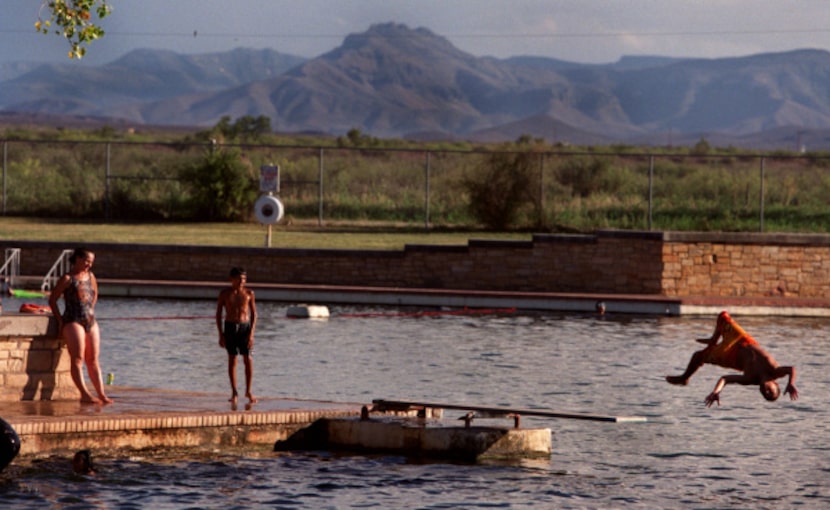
(268, 209)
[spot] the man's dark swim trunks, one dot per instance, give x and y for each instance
(236, 337)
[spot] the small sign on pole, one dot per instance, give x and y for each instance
(268, 208)
(269, 178)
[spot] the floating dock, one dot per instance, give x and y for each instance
(307, 312)
(420, 438)
(422, 434)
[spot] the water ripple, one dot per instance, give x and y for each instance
(747, 453)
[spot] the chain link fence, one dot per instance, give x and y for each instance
(560, 189)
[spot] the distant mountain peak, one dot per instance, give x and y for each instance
(397, 35)
(392, 29)
(392, 80)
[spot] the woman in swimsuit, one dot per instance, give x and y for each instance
(77, 324)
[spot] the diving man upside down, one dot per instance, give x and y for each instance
(738, 351)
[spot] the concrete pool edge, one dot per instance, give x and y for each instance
(530, 301)
(143, 418)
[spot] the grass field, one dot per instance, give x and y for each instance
(309, 235)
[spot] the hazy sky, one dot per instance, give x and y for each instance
(589, 31)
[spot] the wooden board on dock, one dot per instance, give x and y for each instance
(496, 411)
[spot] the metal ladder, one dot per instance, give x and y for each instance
(59, 268)
(11, 268)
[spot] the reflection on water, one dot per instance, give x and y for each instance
(747, 453)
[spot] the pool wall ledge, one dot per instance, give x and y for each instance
(162, 430)
(34, 362)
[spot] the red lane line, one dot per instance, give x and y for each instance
(465, 311)
(183, 317)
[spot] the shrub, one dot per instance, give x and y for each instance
(500, 188)
(223, 186)
(583, 176)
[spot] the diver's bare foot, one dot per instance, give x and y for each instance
(677, 379)
(106, 400)
(233, 398)
(251, 398)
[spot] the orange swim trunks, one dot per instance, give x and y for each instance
(725, 352)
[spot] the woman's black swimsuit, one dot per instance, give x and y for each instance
(79, 298)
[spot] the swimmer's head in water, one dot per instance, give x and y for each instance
(82, 463)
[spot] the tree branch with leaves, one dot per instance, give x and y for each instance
(73, 19)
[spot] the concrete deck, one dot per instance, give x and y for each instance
(148, 418)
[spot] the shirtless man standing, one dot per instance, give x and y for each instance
(236, 334)
(738, 351)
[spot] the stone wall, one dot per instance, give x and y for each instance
(34, 364)
(746, 265)
(613, 262)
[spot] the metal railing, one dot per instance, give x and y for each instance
(11, 268)
(59, 268)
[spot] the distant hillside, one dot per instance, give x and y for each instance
(141, 76)
(394, 81)
(11, 70)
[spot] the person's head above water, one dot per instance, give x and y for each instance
(82, 463)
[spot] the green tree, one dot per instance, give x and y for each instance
(701, 148)
(73, 19)
(222, 185)
(501, 188)
(224, 127)
(250, 128)
(245, 129)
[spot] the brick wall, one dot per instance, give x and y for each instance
(615, 262)
(34, 365)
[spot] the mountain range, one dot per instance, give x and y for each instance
(394, 81)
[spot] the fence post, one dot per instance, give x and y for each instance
(5, 161)
(542, 220)
(320, 190)
(107, 186)
(650, 188)
(426, 193)
(761, 197)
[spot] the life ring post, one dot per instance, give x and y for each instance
(269, 210)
